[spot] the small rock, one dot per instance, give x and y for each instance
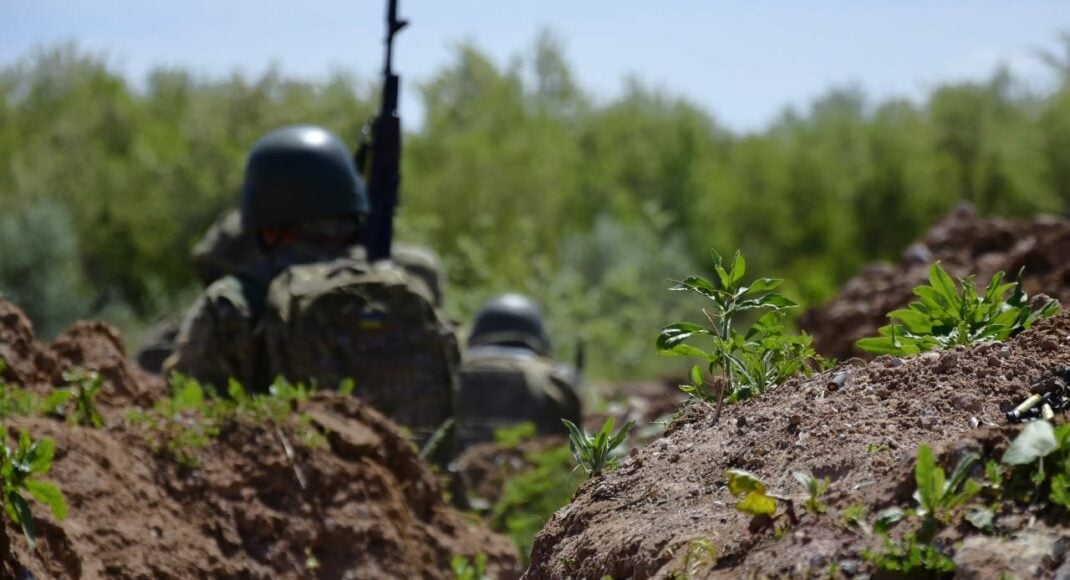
(1046, 344)
(966, 402)
(926, 422)
(947, 362)
(849, 568)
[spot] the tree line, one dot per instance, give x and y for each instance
(518, 177)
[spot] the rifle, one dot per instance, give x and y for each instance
(383, 170)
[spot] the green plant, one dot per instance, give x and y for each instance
(910, 557)
(949, 315)
(854, 516)
(936, 495)
(756, 501)
(85, 385)
(593, 452)
(465, 569)
(815, 488)
(18, 474)
(1040, 455)
(741, 364)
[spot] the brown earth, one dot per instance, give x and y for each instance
(642, 520)
(352, 502)
(964, 244)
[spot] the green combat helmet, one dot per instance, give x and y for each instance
(510, 319)
(297, 174)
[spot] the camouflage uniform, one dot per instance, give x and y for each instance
(313, 309)
(508, 377)
(226, 250)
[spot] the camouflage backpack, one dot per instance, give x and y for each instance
(330, 321)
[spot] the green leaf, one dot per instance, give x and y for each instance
(930, 480)
(696, 375)
(941, 281)
(1060, 490)
(671, 339)
(50, 495)
(25, 518)
(763, 285)
(1036, 440)
(887, 518)
(758, 504)
(741, 482)
(739, 268)
(40, 455)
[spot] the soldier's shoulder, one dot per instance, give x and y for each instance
(319, 277)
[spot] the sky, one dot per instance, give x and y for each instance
(743, 62)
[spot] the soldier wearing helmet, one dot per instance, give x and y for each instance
(313, 309)
(508, 375)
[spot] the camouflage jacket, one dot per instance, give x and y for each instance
(322, 323)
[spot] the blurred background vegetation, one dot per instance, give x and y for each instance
(518, 178)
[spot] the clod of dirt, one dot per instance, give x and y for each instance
(644, 519)
(964, 244)
(25, 361)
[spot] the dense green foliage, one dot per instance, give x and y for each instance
(948, 315)
(518, 177)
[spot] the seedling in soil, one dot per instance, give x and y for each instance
(592, 452)
(815, 488)
(854, 516)
(756, 500)
(1041, 455)
(949, 315)
(937, 496)
(741, 364)
(18, 471)
(85, 385)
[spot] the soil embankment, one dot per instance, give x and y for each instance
(643, 519)
(332, 492)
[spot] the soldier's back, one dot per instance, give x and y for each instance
(501, 386)
(373, 323)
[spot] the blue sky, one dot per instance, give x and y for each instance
(742, 61)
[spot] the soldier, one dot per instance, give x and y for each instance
(227, 249)
(313, 309)
(508, 376)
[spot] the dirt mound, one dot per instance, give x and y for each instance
(95, 346)
(25, 362)
(335, 491)
(964, 244)
(861, 431)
